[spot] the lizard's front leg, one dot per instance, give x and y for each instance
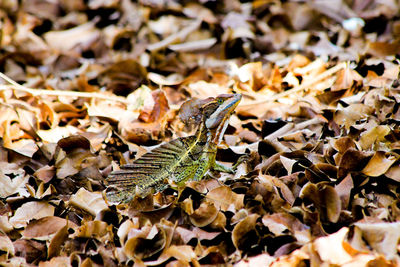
(202, 168)
(221, 168)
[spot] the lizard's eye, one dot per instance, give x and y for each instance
(220, 101)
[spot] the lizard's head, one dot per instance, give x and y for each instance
(217, 112)
(213, 113)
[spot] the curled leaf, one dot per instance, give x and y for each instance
(379, 164)
(325, 199)
(204, 215)
(240, 234)
(91, 202)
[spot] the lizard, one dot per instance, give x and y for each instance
(175, 162)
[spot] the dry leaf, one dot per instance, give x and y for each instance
(332, 248)
(379, 164)
(29, 211)
(204, 215)
(91, 202)
(224, 199)
(382, 237)
(240, 234)
(325, 199)
(45, 227)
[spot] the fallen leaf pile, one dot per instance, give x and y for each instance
(90, 85)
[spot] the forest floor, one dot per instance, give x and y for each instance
(89, 85)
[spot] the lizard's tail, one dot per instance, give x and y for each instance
(121, 187)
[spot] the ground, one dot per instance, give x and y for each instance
(89, 85)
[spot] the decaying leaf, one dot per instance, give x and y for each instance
(7, 247)
(94, 229)
(146, 242)
(224, 199)
(45, 227)
(325, 199)
(244, 232)
(31, 210)
(379, 164)
(333, 248)
(11, 186)
(204, 215)
(382, 237)
(91, 202)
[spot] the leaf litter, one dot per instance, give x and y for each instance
(90, 85)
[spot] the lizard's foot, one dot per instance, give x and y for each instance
(241, 159)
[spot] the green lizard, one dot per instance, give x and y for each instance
(180, 160)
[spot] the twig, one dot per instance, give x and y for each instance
(302, 86)
(38, 92)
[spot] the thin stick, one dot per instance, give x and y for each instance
(302, 86)
(15, 86)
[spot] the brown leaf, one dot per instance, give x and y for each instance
(192, 46)
(184, 254)
(146, 242)
(151, 122)
(220, 222)
(56, 261)
(6, 246)
(270, 183)
(77, 154)
(331, 248)
(10, 186)
(374, 136)
(279, 223)
(124, 76)
(354, 112)
(394, 173)
(382, 237)
(91, 202)
(352, 160)
(173, 79)
(343, 190)
(29, 249)
(325, 199)
(379, 164)
(225, 199)
(382, 49)
(78, 39)
(95, 229)
(345, 79)
(251, 76)
(260, 260)
(57, 242)
(68, 144)
(158, 111)
(204, 215)
(31, 210)
(46, 173)
(240, 234)
(43, 228)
